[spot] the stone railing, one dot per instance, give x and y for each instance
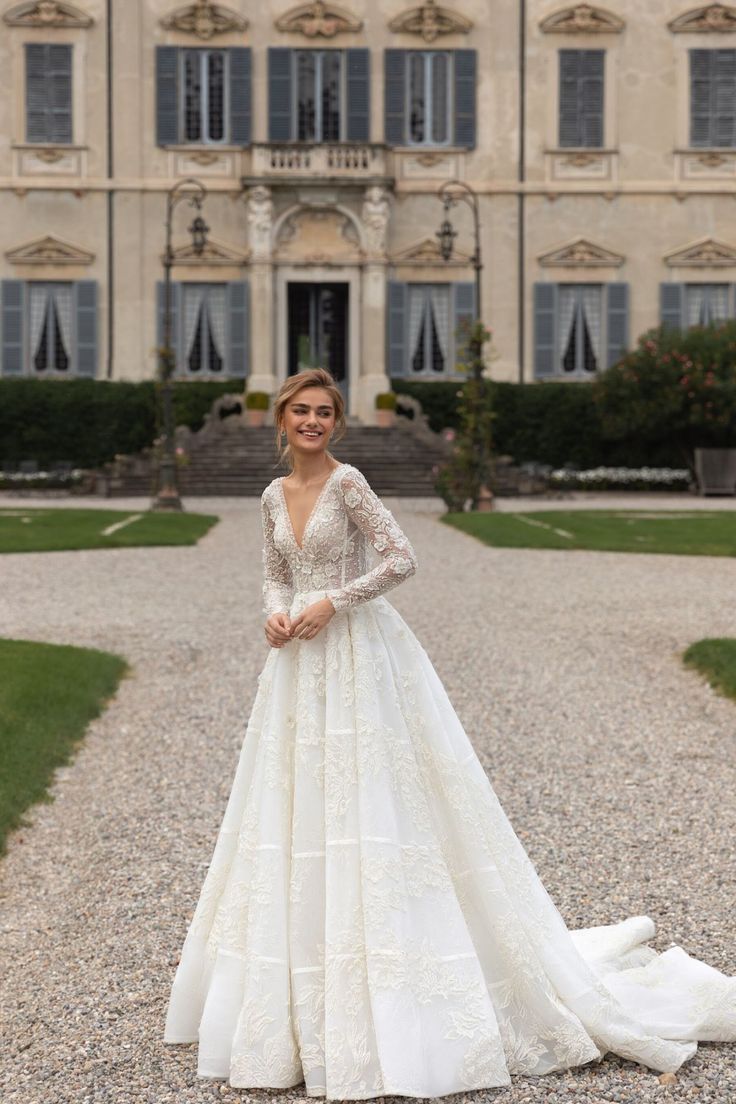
(345, 159)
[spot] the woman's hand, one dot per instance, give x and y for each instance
(312, 619)
(278, 629)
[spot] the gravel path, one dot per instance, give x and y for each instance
(615, 764)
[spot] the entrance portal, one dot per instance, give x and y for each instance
(318, 329)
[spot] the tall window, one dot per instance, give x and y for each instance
(48, 93)
(204, 313)
(580, 325)
(318, 89)
(204, 83)
(428, 97)
(705, 303)
(51, 334)
(429, 328)
(581, 98)
(713, 97)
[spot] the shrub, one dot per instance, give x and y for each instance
(386, 400)
(256, 400)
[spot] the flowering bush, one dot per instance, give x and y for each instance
(670, 479)
(40, 479)
(676, 385)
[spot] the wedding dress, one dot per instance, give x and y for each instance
(369, 922)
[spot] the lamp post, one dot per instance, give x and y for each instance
(451, 193)
(167, 496)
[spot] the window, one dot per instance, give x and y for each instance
(706, 303)
(204, 308)
(581, 98)
(579, 328)
(428, 97)
(318, 87)
(48, 93)
(50, 308)
(713, 97)
(429, 328)
(204, 83)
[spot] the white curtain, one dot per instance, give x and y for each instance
(63, 298)
(590, 299)
(696, 306)
(39, 304)
(706, 303)
(193, 300)
(417, 307)
(216, 307)
(567, 308)
(440, 300)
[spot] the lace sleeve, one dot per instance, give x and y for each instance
(377, 523)
(277, 581)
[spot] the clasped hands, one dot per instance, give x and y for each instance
(280, 628)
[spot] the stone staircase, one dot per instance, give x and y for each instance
(233, 459)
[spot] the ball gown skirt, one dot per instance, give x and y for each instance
(370, 923)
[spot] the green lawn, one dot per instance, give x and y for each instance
(678, 532)
(716, 660)
(58, 529)
(48, 695)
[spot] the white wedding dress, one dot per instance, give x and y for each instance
(369, 922)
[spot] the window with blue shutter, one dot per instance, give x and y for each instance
(48, 93)
(579, 329)
(426, 327)
(318, 95)
(581, 98)
(203, 96)
(210, 327)
(713, 97)
(49, 328)
(429, 97)
(699, 304)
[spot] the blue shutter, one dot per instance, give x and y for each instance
(396, 328)
(394, 93)
(85, 309)
(238, 332)
(545, 329)
(464, 100)
(12, 293)
(240, 95)
(671, 305)
(279, 94)
(167, 95)
(617, 329)
(724, 98)
(175, 315)
(581, 98)
(358, 95)
(48, 93)
(463, 314)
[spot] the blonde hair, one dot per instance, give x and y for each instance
(310, 377)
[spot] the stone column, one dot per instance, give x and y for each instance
(373, 378)
(260, 223)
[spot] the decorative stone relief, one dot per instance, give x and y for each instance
(318, 236)
(375, 214)
(50, 250)
(427, 252)
(46, 13)
(430, 21)
(706, 253)
(582, 19)
(204, 19)
(713, 17)
(318, 19)
(214, 253)
(581, 254)
(260, 221)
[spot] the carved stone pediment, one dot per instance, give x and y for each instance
(318, 20)
(430, 21)
(713, 17)
(318, 235)
(204, 19)
(427, 252)
(46, 13)
(581, 254)
(214, 253)
(582, 19)
(706, 253)
(49, 250)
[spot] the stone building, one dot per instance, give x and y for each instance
(601, 143)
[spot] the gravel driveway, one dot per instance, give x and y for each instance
(616, 765)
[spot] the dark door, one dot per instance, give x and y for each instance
(318, 329)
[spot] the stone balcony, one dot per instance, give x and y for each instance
(348, 161)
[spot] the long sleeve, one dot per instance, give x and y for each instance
(378, 525)
(277, 580)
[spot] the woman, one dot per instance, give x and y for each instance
(370, 922)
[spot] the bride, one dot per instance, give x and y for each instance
(370, 924)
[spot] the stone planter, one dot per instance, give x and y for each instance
(385, 418)
(715, 469)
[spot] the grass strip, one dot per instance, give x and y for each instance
(715, 658)
(49, 693)
(67, 530)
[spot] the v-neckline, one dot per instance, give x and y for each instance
(312, 512)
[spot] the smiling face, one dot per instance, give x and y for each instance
(309, 419)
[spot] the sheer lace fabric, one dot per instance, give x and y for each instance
(369, 922)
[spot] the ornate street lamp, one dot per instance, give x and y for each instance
(167, 495)
(451, 193)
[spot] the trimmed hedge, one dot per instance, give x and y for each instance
(89, 421)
